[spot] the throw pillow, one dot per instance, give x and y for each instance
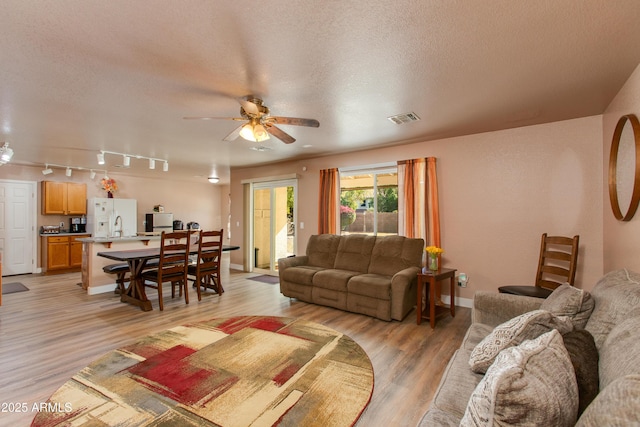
(532, 384)
(567, 300)
(513, 332)
(584, 358)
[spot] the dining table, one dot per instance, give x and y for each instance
(137, 260)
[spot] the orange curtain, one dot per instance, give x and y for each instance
(328, 201)
(420, 212)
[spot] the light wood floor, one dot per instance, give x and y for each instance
(55, 329)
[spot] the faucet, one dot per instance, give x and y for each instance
(116, 231)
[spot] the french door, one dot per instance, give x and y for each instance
(273, 233)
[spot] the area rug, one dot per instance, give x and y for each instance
(266, 278)
(13, 287)
(240, 371)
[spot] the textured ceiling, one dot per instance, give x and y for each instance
(79, 76)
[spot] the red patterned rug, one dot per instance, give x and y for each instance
(240, 371)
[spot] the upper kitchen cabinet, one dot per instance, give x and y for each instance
(64, 198)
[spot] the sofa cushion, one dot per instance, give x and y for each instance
(530, 384)
(567, 300)
(512, 332)
(354, 252)
(302, 275)
(322, 249)
(616, 405)
(616, 293)
(333, 279)
(476, 333)
(584, 358)
(391, 254)
(456, 385)
(620, 353)
(371, 285)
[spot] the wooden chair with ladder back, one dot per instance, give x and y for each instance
(205, 272)
(556, 265)
(172, 265)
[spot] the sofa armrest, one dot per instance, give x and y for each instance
(491, 308)
(403, 292)
(294, 261)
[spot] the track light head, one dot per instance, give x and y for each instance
(68, 172)
(101, 158)
(47, 170)
(152, 164)
(165, 167)
(126, 161)
(93, 174)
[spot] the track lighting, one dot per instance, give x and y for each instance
(6, 153)
(126, 159)
(68, 170)
(214, 179)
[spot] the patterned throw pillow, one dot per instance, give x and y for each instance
(532, 384)
(513, 332)
(567, 300)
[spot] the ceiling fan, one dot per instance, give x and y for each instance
(259, 123)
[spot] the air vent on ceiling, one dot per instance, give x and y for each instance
(404, 118)
(261, 148)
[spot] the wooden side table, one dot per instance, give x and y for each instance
(433, 311)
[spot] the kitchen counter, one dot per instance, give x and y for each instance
(64, 233)
(118, 239)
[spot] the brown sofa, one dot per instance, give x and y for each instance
(376, 276)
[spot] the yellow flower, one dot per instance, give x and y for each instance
(434, 250)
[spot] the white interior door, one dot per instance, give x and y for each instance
(17, 227)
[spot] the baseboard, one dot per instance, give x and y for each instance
(102, 289)
(236, 267)
(460, 302)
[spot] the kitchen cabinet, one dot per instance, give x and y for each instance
(63, 253)
(64, 198)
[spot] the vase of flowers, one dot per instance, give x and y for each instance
(109, 185)
(433, 257)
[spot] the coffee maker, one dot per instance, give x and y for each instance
(78, 224)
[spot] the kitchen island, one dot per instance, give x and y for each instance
(96, 281)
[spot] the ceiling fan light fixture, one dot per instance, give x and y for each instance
(247, 132)
(214, 179)
(260, 133)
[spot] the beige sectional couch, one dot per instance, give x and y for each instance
(607, 364)
(376, 276)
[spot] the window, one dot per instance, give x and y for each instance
(369, 201)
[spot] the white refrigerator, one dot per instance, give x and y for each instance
(112, 217)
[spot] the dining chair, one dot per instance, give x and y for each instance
(205, 272)
(556, 265)
(172, 265)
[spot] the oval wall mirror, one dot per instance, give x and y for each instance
(624, 168)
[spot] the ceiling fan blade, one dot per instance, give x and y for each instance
(280, 134)
(234, 134)
(249, 107)
(295, 121)
(215, 118)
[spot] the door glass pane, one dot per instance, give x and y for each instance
(262, 227)
(387, 204)
(281, 225)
